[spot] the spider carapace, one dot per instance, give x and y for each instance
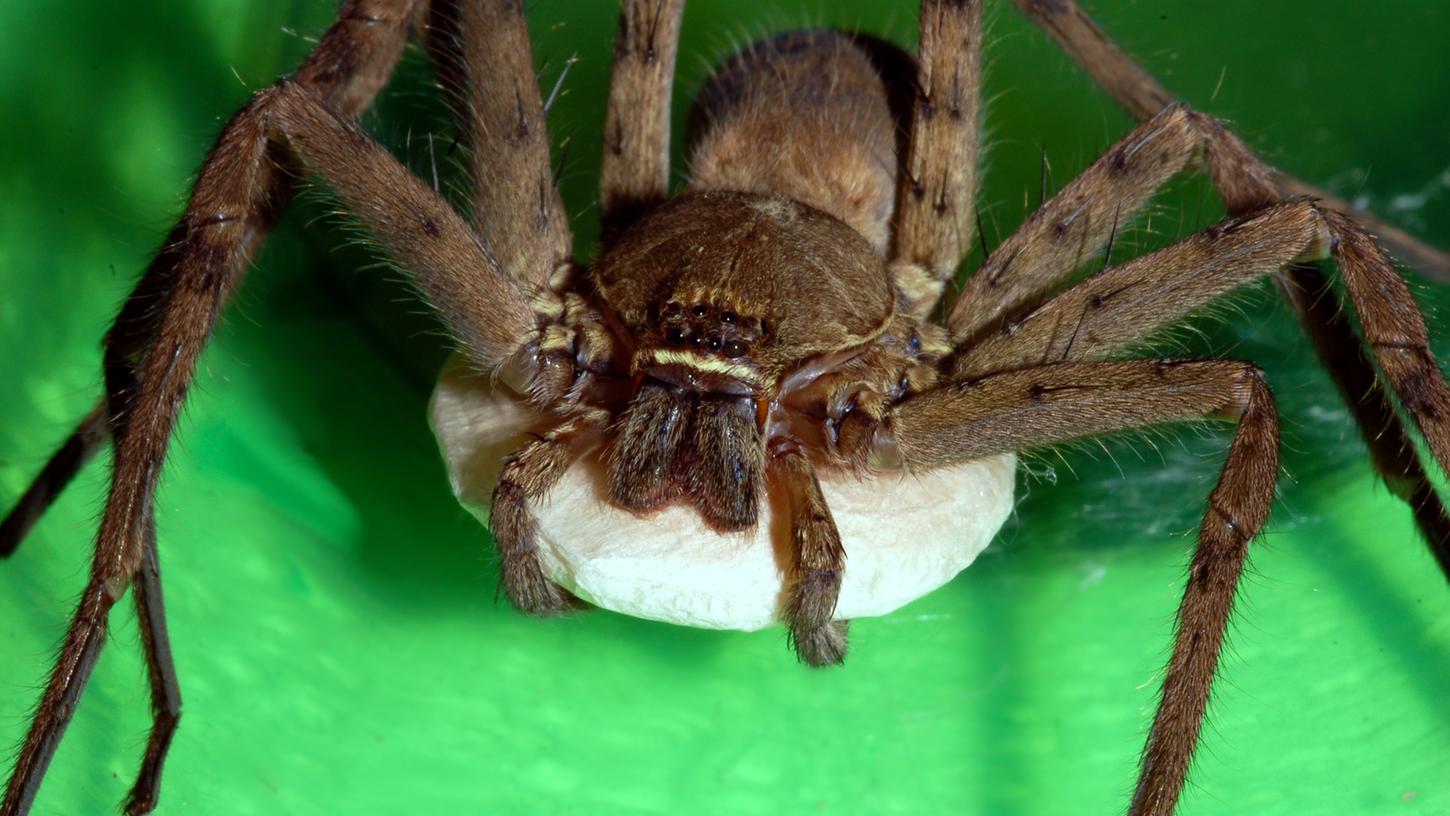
(759, 295)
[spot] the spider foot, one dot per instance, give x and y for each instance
(818, 640)
(822, 646)
(147, 791)
(530, 591)
(521, 575)
(139, 803)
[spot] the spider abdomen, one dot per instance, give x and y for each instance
(804, 115)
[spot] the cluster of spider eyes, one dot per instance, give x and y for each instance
(707, 329)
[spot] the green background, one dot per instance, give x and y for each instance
(339, 643)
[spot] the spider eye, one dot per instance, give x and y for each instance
(712, 343)
(727, 317)
(672, 309)
(914, 344)
(675, 336)
(734, 349)
(699, 311)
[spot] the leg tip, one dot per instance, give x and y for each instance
(822, 646)
(139, 804)
(531, 592)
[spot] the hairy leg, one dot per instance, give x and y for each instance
(480, 304)
(636, 169)
(1127, 303)
(1305, 287)
(815, 580)
(160, 673)
(1069, 229)
(459, 276)
(481, 53)
(1051, 404)
(1392, 452)
(936, 197)
(63, 466)
(1142, 96)
(529, 474)
(367, 39)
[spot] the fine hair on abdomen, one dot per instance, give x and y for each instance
(807, 115)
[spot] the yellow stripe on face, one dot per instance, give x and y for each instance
(705, 363)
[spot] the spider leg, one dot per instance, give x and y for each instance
(63, 466)
(936, 197)
(1070, 228)
(128, 338)
(1129, 302)
(124, 349)
(460, 277)
(1303, 285)
(211, 244)
(820, 560)
(480, 303)
(1142, 96)
(1391, 451)
(124, 346)
(526, 475)
(150, 610)
(636, 169)
(1056, 403)
(481, 53)
(1067, 230)
(160, 672)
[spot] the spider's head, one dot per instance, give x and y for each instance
(693, 430)
(700, 343)
(732, 291)
(727, 297)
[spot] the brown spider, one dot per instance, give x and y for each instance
(698, 364)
